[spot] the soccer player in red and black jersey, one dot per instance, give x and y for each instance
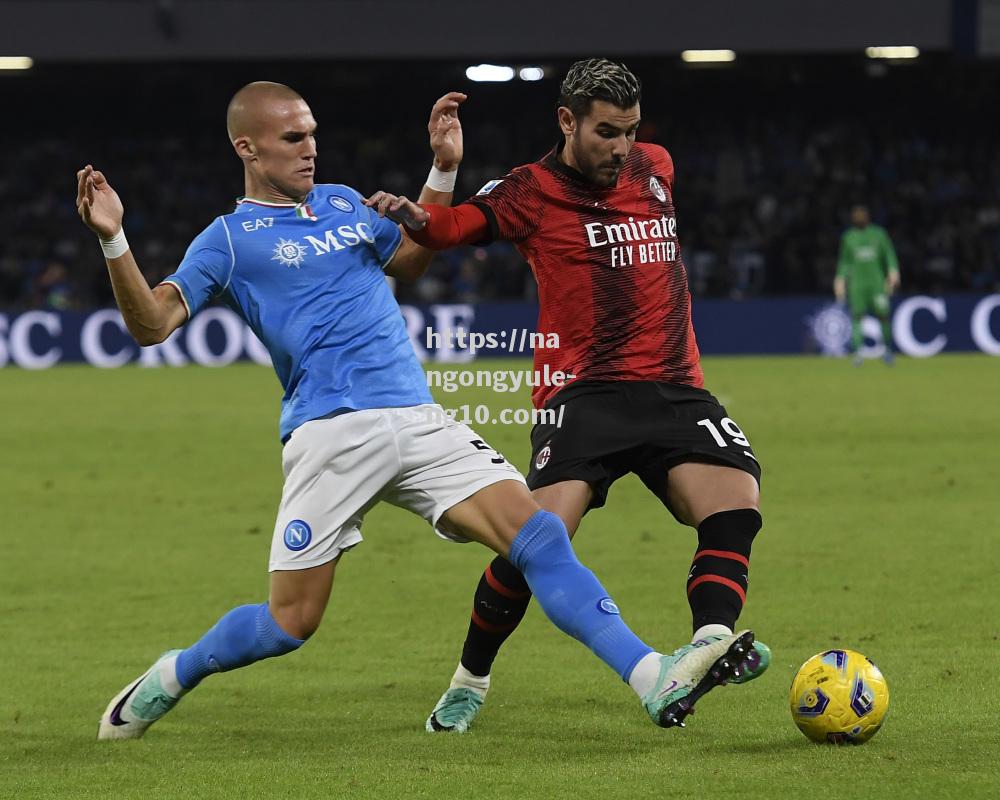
(595, 219)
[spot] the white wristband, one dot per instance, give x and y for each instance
(116, 246)
(441, 181)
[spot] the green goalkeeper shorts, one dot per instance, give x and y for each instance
(868, 299)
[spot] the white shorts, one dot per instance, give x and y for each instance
(336, 469)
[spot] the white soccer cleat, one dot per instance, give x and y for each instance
(142, 702)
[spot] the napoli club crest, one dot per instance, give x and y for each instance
(657, 189)
(341, 203)
(298, 535)
(608, 606)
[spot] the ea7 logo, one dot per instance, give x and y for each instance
(252, 225)
(345, 236)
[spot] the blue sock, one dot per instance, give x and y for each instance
(244, 635)
(570, 594)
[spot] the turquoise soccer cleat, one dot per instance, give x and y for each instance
(757, 662)
(693, 670)
(455, 710)
(139, 704)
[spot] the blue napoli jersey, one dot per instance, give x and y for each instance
(308, 279)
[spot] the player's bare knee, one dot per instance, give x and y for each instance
(566, 499)
(732, 495)
(300, 618)
(301, 626)
(748, 497)
(504, 528)
(735, 502)
(737, 490)
(492, 516)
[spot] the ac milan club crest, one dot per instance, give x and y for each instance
(657, 190)
(543, 457)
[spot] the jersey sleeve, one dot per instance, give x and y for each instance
(206, 268)
(889, 253)
(665, 165)
(450, 227)
(843, 259)
(386, 235)
(513, 205)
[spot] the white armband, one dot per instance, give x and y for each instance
(116, 246)
(441, 181)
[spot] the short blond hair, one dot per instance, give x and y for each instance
(598, 79)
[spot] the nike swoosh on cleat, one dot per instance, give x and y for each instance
(116, 712)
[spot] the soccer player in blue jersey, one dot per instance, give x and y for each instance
(304, 265)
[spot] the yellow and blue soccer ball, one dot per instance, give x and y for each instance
(840, 697)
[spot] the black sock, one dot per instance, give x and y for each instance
(501, 599)
(717, 583)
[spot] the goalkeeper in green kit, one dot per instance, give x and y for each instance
(867, 273)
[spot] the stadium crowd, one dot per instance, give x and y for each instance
(763, 187)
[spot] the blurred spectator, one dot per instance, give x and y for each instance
(52, 288)
(766, 170)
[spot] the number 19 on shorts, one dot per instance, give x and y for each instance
(729, 427)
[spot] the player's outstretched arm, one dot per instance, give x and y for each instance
(445, 132)
(432, 226)
(840, 282)
(150, 315)
(839, 289)
(399, 209)
(891, 264)
(448, 145)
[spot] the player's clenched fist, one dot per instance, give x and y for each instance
(97, 203)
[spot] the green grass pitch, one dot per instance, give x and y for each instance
(137, 506)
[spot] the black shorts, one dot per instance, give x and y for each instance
(611, 429)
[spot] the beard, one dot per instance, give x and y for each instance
(602, 173)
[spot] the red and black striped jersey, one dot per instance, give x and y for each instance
(611, 282)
